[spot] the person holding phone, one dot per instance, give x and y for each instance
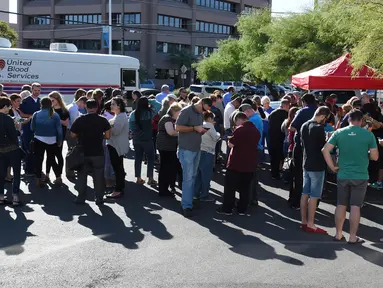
(190, 131)
(206, 162)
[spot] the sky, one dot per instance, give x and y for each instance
(12, 8)
(289, 5)
(278, 6)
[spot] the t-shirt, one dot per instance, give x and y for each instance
(313, 138)
(302, 116)
(64, 115)
(243, 156)
(90, 128)
(353, 143)
(190, 117)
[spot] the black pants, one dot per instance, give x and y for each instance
(10, 159)
(168, 171)
(95, 166)
(57, 155)
(296, 191)
(118, 167)
(236, 181)
(39, 150)
(276, 156)
(254, 191)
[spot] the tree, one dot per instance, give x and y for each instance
(8, 32)
(224, 65)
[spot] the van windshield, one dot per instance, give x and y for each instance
(342, 96)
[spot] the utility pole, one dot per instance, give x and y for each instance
(122, 27)
(110, 27)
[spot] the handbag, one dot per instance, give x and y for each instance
(75, 158)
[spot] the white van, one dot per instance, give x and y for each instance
(67, 71)
(204, 90)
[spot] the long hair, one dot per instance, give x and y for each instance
(120, 103)
(142, 109)
(291, 115)
(46, 103)
(57, 96)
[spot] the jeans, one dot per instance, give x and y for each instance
(141, 147)
(29, 157)
(117, 163)
(59, 165)
(95, 165)
(71, 142)
(296, 190)
(313, 183)
(189, 162)
(168, 171)
(204, 175)
(10, 159)
(40, 149)
(236, 181)
(108, 165)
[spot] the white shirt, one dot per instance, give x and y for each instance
(229, 109)
(73, 113)
(209, 139)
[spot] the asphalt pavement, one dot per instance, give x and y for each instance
(143, 240)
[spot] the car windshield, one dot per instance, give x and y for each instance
(342, 96)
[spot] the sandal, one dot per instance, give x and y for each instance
(342, 239)
(316, 231)
(358, 241)
(303, 227)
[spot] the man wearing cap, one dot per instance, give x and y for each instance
(227, 96)
(256, 119)
(163, 94)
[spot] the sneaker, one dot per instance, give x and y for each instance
(223, 212)
(377, 185)
(207, 199)
(244, 213)
(188, 212)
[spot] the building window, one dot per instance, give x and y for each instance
(163, 47)
(129, 18)
(249, 9)
(129, 45)
(166, 73)
(40, 20)
(203, 50)
(94, 45)
(214, 28)
(77, 19)
(170, 21)
(216, 4)
(38, 44)
(183, 1)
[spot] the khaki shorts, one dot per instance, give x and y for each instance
(351, 192)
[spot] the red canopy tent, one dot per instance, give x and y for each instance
(338, 75)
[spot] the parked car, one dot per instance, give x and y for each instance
(342, 95)
(226, 84)
(204, 90)
(148, 84)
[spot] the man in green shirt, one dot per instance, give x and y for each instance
(356, 147)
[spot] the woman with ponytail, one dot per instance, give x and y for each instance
(48, 135)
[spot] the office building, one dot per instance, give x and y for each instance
(160, 33)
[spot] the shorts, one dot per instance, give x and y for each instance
(313, 183)
(351, 192)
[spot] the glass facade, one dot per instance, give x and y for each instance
(129, 18)
(170, 21)
(129, 45)
(203, 50)
(213, 28)
(164, 47)
(216, 4)
(78, 19)
(40, 20)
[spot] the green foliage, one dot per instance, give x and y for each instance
(226, 64)
(8, 32)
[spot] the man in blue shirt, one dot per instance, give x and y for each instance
(164, 92)
(228, 94)
(29, 106)
(256, 119)
(302, 116)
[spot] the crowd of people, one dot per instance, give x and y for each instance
(307, 141)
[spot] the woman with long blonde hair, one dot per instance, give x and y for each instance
(60, 108)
